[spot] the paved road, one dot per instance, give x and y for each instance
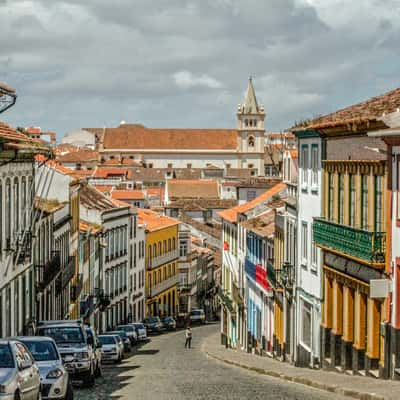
(163, 370)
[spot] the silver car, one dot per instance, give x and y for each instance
(19, 374)
(55, 381)
(111, 350)
(141, 331)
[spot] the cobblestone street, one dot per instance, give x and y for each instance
(163, 369)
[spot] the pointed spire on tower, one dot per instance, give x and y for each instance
(250, 101)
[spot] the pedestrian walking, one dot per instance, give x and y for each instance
(188, 336)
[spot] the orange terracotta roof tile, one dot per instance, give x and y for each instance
(130, 136)
(104, 188)
(155, 221)
(231, 214)
(106, 172)
(7, 133)
(121, 203)
(127, 194)
(368, 110)
(79, 156)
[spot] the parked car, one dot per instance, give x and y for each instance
(55, 382)
(96, 347)
(197, 316)
(112, 348)
(140, 330)
(153, 325)
(169, 323)
(76, 350)
(19, 373)
(130, 331)
(124, 337)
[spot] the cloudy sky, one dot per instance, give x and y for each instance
(185, 63)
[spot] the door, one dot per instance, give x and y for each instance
(29, 373)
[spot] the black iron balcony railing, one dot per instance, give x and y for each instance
(361, 244)
(49, 271)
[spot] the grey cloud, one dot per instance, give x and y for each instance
(98, 62)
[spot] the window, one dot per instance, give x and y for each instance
(352, 200)
(364, 202)
(154, 250)
(378, 204)
(331, 193)
(250, 166)
(189, 165)
(251, 141)
(23, 202)
(304, 241)
(305, 321)
(150, 165)
(159, 248)
(314, 255)
(304, 164)
(340, 199)
(173, 244)
(314, 166)
(170, 165)
(182, 249)
(169, 244)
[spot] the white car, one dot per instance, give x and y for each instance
(55, 382)
(130, 331)
(197, 316)
(110, 348)
(140, 330)
(19, 374)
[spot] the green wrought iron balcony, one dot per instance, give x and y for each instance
(361, 244)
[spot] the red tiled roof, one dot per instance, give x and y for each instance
(79, 156)
(105, 172)
(104, 188)
(155, 221)
(7, 133)
(122, 161)
(231, 214)
(139, 137)
(368, 110)
(127, 194)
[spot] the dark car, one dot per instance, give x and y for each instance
(124, 337)
(169, 323)
(153, 325)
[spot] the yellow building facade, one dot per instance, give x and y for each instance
(162, 272)
(351, 233)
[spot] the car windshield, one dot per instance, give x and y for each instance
(126, 328)
(63, 334)
(152, 320)
(42, 350)
(107, 339)
(139, 326)
(121, 334)
(167, 319)
(6, 358)
(197, 312)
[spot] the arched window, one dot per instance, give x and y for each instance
(173, 244)
(246, 122)
(159, 248)
(165, 246)
(169, 244)
(149, 251)
(251, 141)
(7, 213)
(255, 123)
(159, 275)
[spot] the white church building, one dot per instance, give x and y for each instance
(242, 147)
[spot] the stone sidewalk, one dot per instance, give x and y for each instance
(357, 387)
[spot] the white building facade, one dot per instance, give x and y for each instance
(308, 285)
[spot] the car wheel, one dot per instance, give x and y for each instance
(70, 392)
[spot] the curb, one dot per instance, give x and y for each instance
(302, 381)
